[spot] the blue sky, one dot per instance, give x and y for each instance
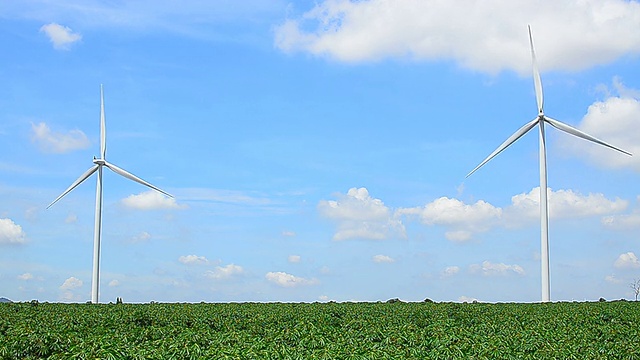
(317, 150)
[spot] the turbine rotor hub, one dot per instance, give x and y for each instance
(98, 161)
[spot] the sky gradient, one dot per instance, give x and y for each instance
(317, 150)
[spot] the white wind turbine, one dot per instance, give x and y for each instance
(540, 120)
(97, 167)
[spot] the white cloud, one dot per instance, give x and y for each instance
(615, 121)
(224, 272)
(383, 259)
(450, 271)
(193, 260)
(358, 215)
(461, 218)
(486, 35)
(623, 221)
(58, 142)
(60, 36)
(71, 283)
(562, 204)
(288, 233)
(25, 276)
(287, 280)
(114, 283)
(488, 268)
(151, 200)
(627, 260)
(294, 258)
(11, 233)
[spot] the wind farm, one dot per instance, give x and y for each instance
(304, 191)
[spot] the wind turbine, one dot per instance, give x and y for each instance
(98, 164)
(540, 120)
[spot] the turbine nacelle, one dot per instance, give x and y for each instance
(100, 162)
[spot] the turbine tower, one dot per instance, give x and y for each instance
(98, 164)
(540, 120)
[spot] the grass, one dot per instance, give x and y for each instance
(393, 330)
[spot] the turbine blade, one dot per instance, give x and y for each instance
(517, 135)
(103, 130)
(537, 83)
(82, 178)
(573, 131)
(130, 176)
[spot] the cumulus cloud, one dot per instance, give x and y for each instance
(151, 200)
(60, 36)
(71, 283)
(562, 204)
(462, 219)
(614, 120)
(359, 216)
(488, 268)
(224, 272)
(294, 258)
(193, 260)
(58, 142)
(288, 233)
(287, 280)
(114, 283)
(11, 233)
(383, 259)
(627, 260)
(486, 35)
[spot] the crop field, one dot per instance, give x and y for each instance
(396, 330)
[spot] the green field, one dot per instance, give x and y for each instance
(599, 330)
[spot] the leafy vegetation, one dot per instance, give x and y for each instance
(394, 330)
